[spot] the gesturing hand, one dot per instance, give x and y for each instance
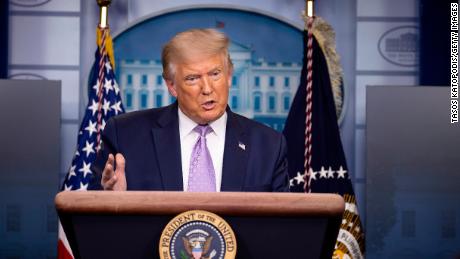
(114, 180)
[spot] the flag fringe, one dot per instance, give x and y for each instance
(108, 44)
(325, 36)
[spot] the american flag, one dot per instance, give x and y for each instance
(220, 24)
(104, 102)
(326, 169)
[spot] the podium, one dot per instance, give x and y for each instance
(103, 224)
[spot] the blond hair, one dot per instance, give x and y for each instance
(187, 45)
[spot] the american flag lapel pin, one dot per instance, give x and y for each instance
(242, 146)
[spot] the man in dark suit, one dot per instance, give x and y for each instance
(197, 143)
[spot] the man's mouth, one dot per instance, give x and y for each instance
(209, 105)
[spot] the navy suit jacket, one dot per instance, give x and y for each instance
(254, 154)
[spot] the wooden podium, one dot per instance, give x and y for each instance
(129, 224)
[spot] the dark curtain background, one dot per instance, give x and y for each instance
(435, 42)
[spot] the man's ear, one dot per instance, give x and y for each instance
(171, 87)
(230, 78)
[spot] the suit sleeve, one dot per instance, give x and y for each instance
(108, 146)
(280, 180)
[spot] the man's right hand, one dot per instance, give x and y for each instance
(114, 180)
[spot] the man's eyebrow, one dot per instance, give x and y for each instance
(192, 75)
(214, 69)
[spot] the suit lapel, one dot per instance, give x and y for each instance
(167, 146)
(235, 155)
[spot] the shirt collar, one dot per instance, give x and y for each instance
(186, 125)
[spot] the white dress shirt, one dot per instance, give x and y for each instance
(215, 141)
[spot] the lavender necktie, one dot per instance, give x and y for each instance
(202, 177)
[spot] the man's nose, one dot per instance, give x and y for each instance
(207, 86)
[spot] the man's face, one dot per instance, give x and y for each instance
(201, 88)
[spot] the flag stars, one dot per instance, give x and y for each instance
(341, 173)
(67, 188)
(116, 107)
(85, 169)
(322, 173)
(99, 146)
(83, 187)
(93, 107)
(115, 87)
(72, 172)
(106, 106)
(91, 128)
(108, 86)
(108, 67)
(330, 173)
(312, 174)
(88, 148)
(299, 178)
(96, 87)
(103, 124)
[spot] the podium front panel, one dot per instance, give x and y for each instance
(115, 232)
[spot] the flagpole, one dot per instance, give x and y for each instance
(309, 101)
(104, 29)
(104, 11)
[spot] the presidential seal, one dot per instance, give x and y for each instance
(197, 234)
